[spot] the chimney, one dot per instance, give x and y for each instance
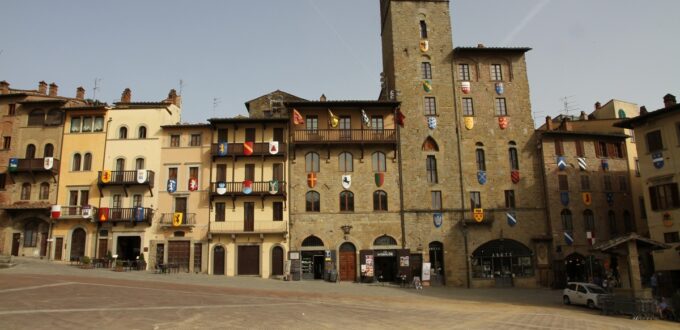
(54, 89)
(42, 87)
(548, 123)
(583, 115)
(598, 105)
(565, 125)
(4, 87)
(322, 98)
(643, 110)
(126, 97)
(173, 98)
(481, 46)
(669, 100)
(80, 93)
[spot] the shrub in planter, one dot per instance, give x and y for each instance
(86, 262)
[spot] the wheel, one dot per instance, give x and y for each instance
(590, 304)
(566, 300)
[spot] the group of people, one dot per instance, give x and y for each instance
(607, 283)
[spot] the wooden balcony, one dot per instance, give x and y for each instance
(236, 149)
(130, 215)
(76, 212)
(124, 179)
(35, 166)
(236, 189)
(188, 220)
(261, 226)
(344, 136)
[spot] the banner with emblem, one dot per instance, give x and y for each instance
(221, 188)
(141, 176)
(564, 198)
(499, 88)
(177, 218)
(106, 176)
(478, 214)
(48, 163)
(379, 179)
(587, 198)
(346, 181)
(568, 239)
(247, 187)
(465, 87)
(657, 159)
(193, 184)
(273, 187)
(139, 214)
(590, 237)
(582, 164)
(514, 176)
(13, 164)
(438, 219)
(86, 211)
(311, 180)
(427, 86)
(481, 177)
(424, 45)
(333, 120)
(432, 122)
(297, 118)
(512, 218)
(561, 163)
(55, 212)
(103, 214)
(222, 148)
(172, 186)
(248, 148)
(503, 122)
(365, 119)
(469, 122)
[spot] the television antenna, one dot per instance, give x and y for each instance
(95, 88)
(181, 86)
(216, 102)
(568, 106)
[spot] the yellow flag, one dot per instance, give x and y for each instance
(333, 119)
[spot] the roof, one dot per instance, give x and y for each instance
(343, 103)
(26, 206)
(615, 242)
(243, 119)
(642, 119)
(278, 91)
(492, 49)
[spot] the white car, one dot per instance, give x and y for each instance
(583, 294)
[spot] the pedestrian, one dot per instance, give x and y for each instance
(654, 283)
(605, 285)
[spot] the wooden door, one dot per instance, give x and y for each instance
(58, 246)
(16, 240)
(248, 260)
(348, 262)
(78, 243)
(277, 261)
(178, 253)
(102, 248)
(249, 216)
(198, 257)
(277, 171)
(218, 261)
(43, 244)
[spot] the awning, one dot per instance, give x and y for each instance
(640, 240)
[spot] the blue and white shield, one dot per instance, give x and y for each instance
(512, 218)
(561, 163)
(172, 186)
(432, 122)
(610, 198)
(437, 217)
(582, 164)
(568, 239)
(657, 159)
(564, 198)
(481, 177)
(499, 88)
(222, 148)
(139, 214)
(605, 165)
(221, 188)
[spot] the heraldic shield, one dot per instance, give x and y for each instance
(514, 176)
(172, 186)
(248, 148)
(247, 187)
(564, 198)
(311, 180)
(221, 188)
(465, 87)
(657, 159)
(273, 147)
(503, 122)
(469, 122)
(424, 45)
(481, 177)
(379, 179)
(346, 181)
(499, 88)
(273, 187)
(587, 198)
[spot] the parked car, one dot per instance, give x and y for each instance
(583, 294)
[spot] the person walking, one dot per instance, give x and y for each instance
(654, 283)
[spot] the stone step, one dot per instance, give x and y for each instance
(5, 259)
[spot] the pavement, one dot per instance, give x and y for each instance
(38, 294)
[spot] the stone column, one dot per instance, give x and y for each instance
(634, 269)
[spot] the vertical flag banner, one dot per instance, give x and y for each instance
(297, 118)
(333, 120)
(365, 119)
(248, 148)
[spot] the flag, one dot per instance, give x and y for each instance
(590, 237)
(400, 118)
(568, 239)
(248, 148)
(297, 118)
(512, 218)
(333, 120)
(365, 119)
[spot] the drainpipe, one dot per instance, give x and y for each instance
(56, 196)
(401, 185)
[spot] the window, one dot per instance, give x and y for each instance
(501, 109)
(220, 214)
(579, 148)
(664, 197)
(512, 154)
(346, 201)
(221, 172)
(172, 173)
(345, 126)
(87, 162)
(436, 200)
(141, 134)
(601, 149)
(195, 140)
(116, 202)
(585, 183)
(619, 150)
(278, 211)
(423, 30)
(378, 160)
(631, 133)
(379, 201)
(475, 200)
(431, 167)
(627, 222)
(563, 182)
(3, 180)
(26, 191)
(464, 72)
(312, 162)
(496, 72)
(312, 201)
(345, 162)
(250, 134)
(502, 256)
(607, 182)
(98, 124)
(312, 123)
(468, 107)
(278, 134)
(120, 164)
(479, 155)
(637, 167)
(250, 172)
(671, 237)
(36, 118)
(174, 140)
(643, 210)
(612, 223)
(31, 234)
(87, 124)
(139, 164)
(76, 162)
(6, 142)
(426, 70)
(623, 183)
(193, 172)
(12, 110)
(567, 222)
(277, 171)
(122, 133)
(509, 199)
(54, 117)
(49, 150)
(30, 151)
(654, 141)
(222, 135)
(559, 147)
(430, 106)
(44, 191)
(137, 200)
(588, 220)
(377, 123)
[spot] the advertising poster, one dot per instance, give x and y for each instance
(426, 271)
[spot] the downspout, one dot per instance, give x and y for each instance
(401, 186)
(99, 224)
(56, 197)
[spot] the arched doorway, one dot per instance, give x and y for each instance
(348, 262)
(575, 267)
(77, 243)
(312, 258)
(386, 259)
(437, 275)
(277, 261)
(218, 260)
(502, 259)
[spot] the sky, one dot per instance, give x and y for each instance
(220, 54)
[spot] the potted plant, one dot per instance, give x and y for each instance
(141, 263)
(119, 266)
(86, 262)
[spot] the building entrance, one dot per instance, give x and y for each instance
(128, 247)
(575, 267)
(386, 267)
(312, 265)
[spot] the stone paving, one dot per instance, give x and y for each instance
(40, 295)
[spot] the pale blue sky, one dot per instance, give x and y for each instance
(234, 51)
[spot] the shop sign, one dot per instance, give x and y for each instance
(404, 261)
(294, 255)
(384, 253)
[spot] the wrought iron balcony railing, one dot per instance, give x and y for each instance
(238, 149)
(238, 188)
(130, 215)
(127, 178)
(187, 220)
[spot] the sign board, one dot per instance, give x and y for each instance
(426, 271)
(404, 261)
(294, 255)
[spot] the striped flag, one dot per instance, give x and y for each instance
(582, 164)
(568, 239)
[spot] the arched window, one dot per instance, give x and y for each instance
(627, 222)
(612, 223)
(36, 118)
(481, 159)
(142, 132)
(622, 114)
(512, 153)
(346, 201)
(139, 163)
(122, 133)
(425, 70)
(120, 164)
(588, 220)
(31, 234)
(26, 191)
(378, 160)
(423, 30)
(345, 163)
(54, 117)
(44, 191)
(567, 222)
(384, 240)
(312, 241)
(312, 162)
(379, 200)
(30, 151)
(502, 256)
(312, 201)
(76, 162)
(87, 162)
(49, 150)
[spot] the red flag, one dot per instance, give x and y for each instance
(400, 118)
(297, 118)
